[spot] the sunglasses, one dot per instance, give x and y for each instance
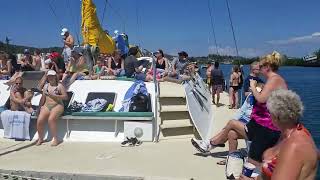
(18, 83)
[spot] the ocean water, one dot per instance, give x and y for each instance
(305, 81)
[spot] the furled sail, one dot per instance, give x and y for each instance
(92, 31)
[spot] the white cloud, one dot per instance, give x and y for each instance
(315, 37)
(245, 52)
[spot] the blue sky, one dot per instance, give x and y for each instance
(289, 26)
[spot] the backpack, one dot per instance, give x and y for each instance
(140, 103)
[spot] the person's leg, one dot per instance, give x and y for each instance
(43, 116)
(213, 94)
(237, 130)
(52, 120)
(233, 125)
(236, 99)
(231, 91)
(219, 90)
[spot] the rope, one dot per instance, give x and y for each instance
(234, 37)
(212, 26)
(74, 21)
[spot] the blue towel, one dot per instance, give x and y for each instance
(137, 87)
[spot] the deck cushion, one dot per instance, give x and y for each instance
(114, 114)
(124, 78)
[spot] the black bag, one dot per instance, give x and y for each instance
(140, 103)
(74, 107)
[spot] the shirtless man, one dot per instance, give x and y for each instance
(20, 98)
(68, 44)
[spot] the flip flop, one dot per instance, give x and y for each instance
(230, 107)
(222, 162)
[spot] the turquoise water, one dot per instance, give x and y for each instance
(306, 82)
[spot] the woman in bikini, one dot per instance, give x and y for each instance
(53, 107)
(295, 156)
(234, 87)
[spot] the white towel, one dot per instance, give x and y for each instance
(16, 124)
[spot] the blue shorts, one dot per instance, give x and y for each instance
(140, 76)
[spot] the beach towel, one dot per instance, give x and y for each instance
(95, 105)
(244, 113)
(16, 124)
(137, 87)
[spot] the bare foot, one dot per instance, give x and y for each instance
(39, 142)
(55, 142)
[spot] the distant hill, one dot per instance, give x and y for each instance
(224, 59)
(19, 49)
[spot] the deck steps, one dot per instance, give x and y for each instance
(175, 121)
(169, 89)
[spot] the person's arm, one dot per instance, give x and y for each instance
(231, 78)
(174, 65)
(63, 95)
(16, 97)
(267, 89)
(289, 162)
(34, 63)
(138, 68)
(167, 65)
(122, 63)
(43, 81)
(109, 63)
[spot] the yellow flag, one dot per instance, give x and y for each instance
(92, 31)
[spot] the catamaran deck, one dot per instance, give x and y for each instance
(168, 159)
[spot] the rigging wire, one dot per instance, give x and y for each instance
(54, 14)
(119, 15)
(74, 21)
(104, 12)
(212, 26)
(234, 37)
(138, 22)
(102, 19)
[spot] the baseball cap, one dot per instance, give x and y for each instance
(51, 73)
(54, 55)
(183, 53)
(63, 31)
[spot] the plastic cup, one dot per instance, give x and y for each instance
(248, 169)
